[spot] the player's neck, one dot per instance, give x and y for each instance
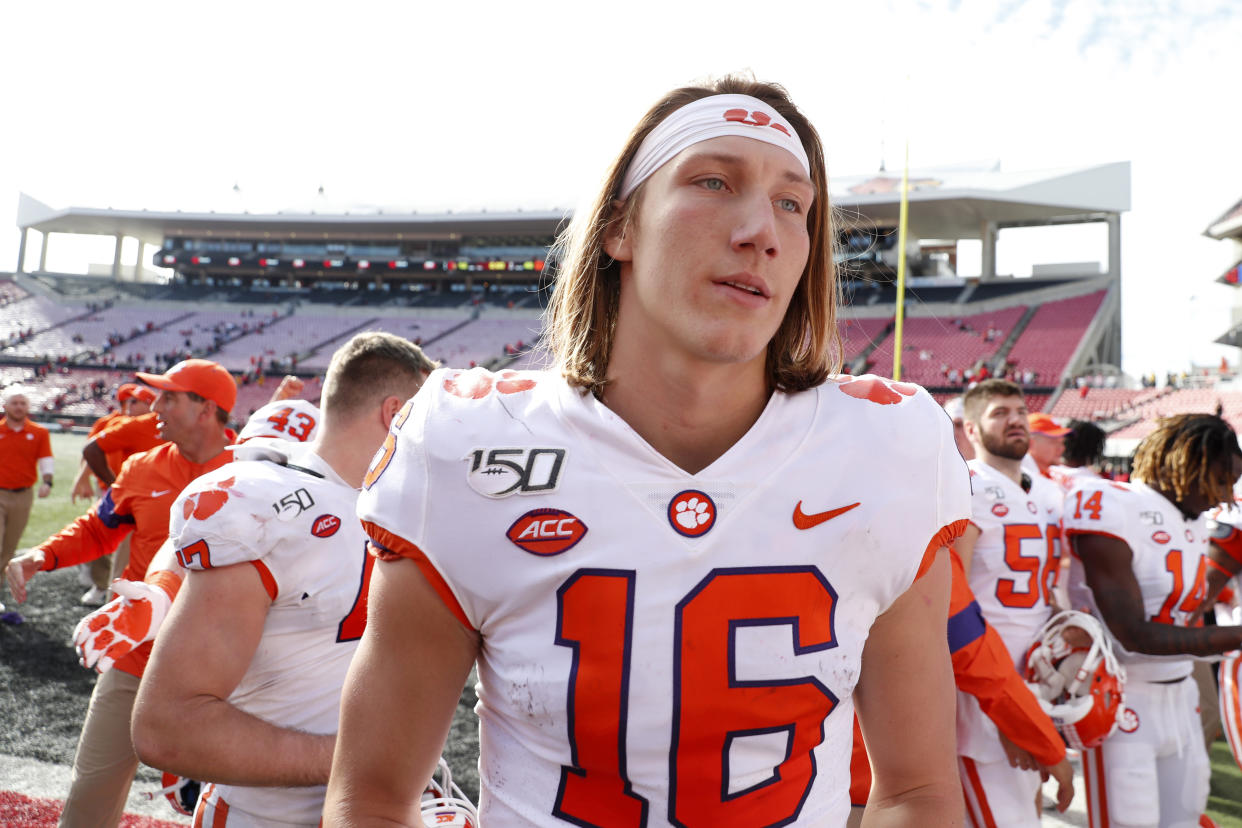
(1188, 511)
(1007, 466)
(15, 425)
(690, 416)
(203, 445)
(348, 459)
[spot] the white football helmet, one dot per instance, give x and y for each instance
(1073, 672)
(181, 793)
(294, 420)
(445, 804)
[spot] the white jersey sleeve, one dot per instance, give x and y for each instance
(1097, 506)
(221, 519)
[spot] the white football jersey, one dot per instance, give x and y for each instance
(1067, 477)
(1017, 554)
(658, 645)
(294, 420)
(295, 521)
(1169, 561)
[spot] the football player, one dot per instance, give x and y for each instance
(286, 419)
(107, 635)
(1084, 445)
(1139, 563)
(674, 556)
(244, 683)
(1010, 553)
(956, 411)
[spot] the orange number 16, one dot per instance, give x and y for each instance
(712, 705)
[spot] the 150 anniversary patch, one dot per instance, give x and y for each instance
(501, 472)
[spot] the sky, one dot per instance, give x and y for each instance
(482, 104)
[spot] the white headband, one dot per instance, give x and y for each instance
(706, 118)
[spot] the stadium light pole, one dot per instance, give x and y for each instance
(903, 215)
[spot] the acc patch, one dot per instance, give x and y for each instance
(691, 513)
(325, 526)
(1129, 721)
(546, 532)
(1190, 536)
(1032, 508)
(1160, 536)
(1000, 509)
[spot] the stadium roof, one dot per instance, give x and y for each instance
(954, 203)
(946, 203)
(153, 227)
(1227, 225)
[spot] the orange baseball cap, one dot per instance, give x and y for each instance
(210, 380)
(141, 392)
(126, 391)
(1044, 424)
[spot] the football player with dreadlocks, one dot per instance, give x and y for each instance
(1140, 562)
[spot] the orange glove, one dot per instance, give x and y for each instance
(132, 618)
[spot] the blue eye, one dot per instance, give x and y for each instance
(713, 183)
(789, 205)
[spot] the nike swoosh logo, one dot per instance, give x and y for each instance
(160, 494)
(805, 521)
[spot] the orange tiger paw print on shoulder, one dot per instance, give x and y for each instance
(876, 389)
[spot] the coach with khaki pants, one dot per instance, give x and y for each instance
(25, 454)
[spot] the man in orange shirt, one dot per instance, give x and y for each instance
(192, 410)
(1047, 444)
(135, 400)
(125, 437)
(25, 454)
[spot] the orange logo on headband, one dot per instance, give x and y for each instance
(760, 119)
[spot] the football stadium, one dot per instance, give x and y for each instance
(346, 407)
(268, 296)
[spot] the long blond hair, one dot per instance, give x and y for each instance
(581, 317)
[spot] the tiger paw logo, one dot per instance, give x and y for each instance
(477, 383)
(691, 513)
(202, 505)
(756, 118)
(876, 390)
(1129, 720)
